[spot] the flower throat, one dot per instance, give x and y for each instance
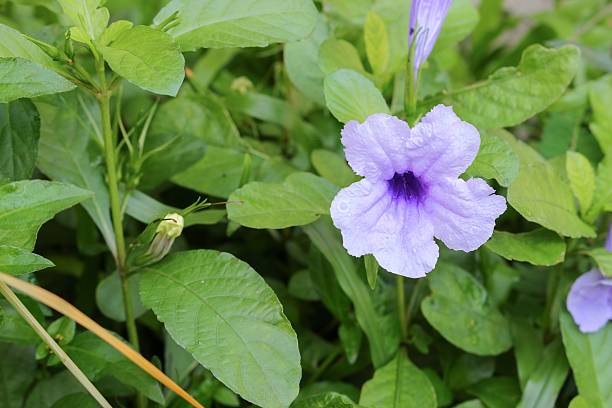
(406, 186)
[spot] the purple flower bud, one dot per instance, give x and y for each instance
(590, 298)
(426, 19)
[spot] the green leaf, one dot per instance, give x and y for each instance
(332, 167)
(371, 267)
(97, 359)
(513, 94)
(325, 387)
(26, 205)
(70, 128)
(17, 370)
(17, 261)
(603, 258)
(21, 78)
(376, 43)
(497, 392)
(326, 400)
(88, 16)
(538, 247)
(460, 310)
(14, 44)
(541, 196)
(602, 198)
(13, 329)
(545, 381)
(112, 32)
(380, 328)
(178, 153)
(528, 347)
(203, 116)
(77, 400)
(25, 70)
(217, 174)
(399, 384)
(339, 54)
(558, 130)
(148, 58)
(48, 391)
(351, 337)
(300, 200)
(62, 330)
(471, 404)
(444, 395)
(468, 369)
(327, 286)
(600, 97)
(232, 23)
(351, 96)
(302, 287)
(19, 134)
(582, 178)
(495, 160)
(110, 304)
(589, 356)
(302, 63)
(220, 310)
(579, 402)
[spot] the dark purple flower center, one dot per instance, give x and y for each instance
(406, 186)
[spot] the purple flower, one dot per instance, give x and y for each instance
(426, 19)
(590, 301)
(411, 191)
(590, 298)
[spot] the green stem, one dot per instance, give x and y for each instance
(104, 98)
(401, 306)
(410, 93)
(59, 352)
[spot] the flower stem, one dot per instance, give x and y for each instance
(410, 93)
(104, 97)
(401, 306)
(59, 352)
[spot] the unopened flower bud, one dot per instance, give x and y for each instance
(242, 85)
(172, 225)
(167, 231)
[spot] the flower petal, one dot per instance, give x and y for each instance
(590, 302)
(396, 232)
(410, 250)
(356, 209)
(442, 145)
(376, 148)
(463, 212)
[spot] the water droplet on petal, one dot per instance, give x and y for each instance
(415, 141)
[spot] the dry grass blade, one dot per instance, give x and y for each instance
(60, 305)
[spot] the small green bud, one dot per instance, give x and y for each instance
(167, 231)
(172, 225)
(242, 85)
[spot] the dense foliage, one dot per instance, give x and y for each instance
(168, 169)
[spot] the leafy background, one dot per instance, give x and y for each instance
(259, 303)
